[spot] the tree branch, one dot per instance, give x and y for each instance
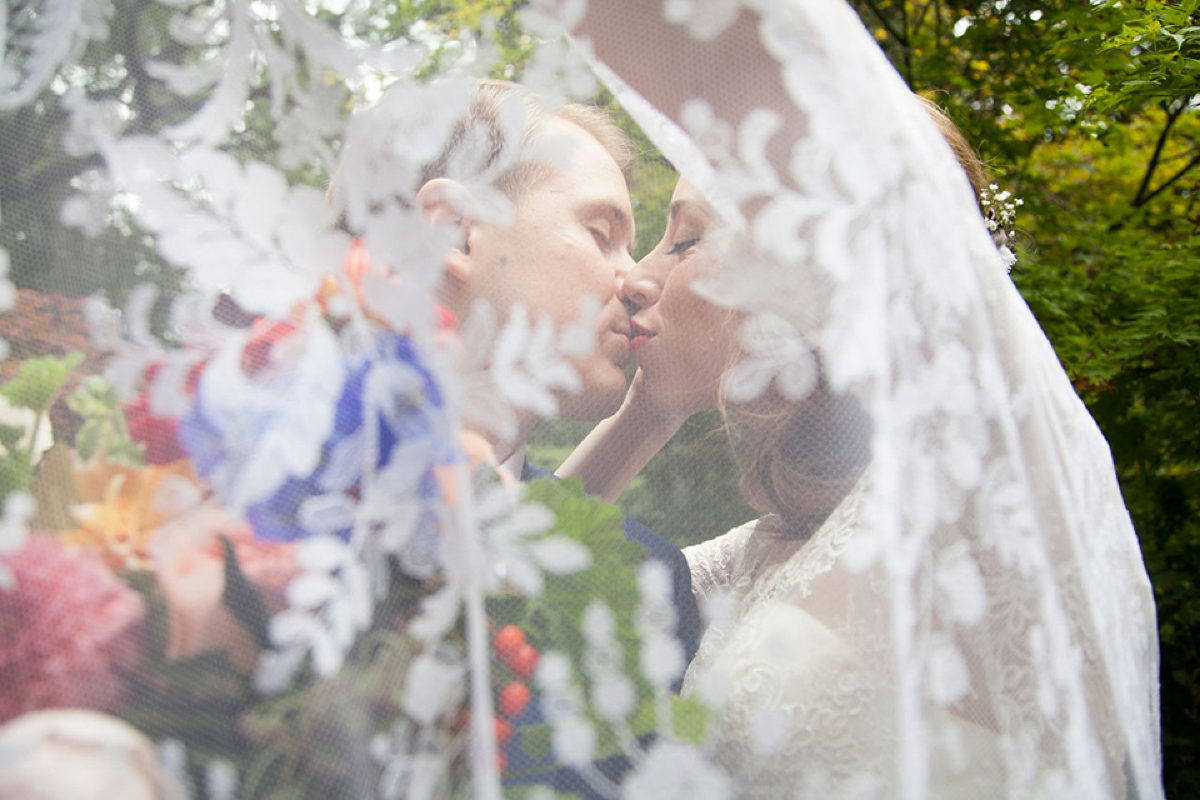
(908, 65)
(925, 12)
(1188, 167)
(899, 36)
(1172, 116)
(59, 172)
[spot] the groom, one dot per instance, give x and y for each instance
(570, 238)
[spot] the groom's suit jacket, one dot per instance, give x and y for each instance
(687, 629)
(687, 615)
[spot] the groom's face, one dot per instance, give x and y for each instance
(571, 239)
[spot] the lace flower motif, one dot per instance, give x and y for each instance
(705, 19)
(774, 351)
(675, 769)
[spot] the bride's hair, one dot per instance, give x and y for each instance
(977, 173)
(970, 161)
(799, 459)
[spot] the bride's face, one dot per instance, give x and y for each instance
(682, 342)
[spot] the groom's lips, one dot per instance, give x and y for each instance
(638, 336)
(626, 355)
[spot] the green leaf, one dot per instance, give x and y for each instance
(16, 473)
(158, 618)
(87, 441)
(10, 436)
(535, 741)
(242, 598)
(94, 398)
(39, 381)
(691, 718)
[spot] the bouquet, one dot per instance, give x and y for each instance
(245, 568)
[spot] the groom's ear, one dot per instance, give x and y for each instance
(444, 202)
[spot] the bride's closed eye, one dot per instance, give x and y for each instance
(682, 247)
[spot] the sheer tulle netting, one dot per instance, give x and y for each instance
(274, 532)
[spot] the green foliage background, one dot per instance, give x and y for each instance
(1087, 109)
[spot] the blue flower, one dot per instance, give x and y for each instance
(390, 387)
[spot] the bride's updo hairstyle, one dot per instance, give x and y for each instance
(799, 459)
(970, 161)
(977, 174)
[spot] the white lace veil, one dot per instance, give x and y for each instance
(944, 596)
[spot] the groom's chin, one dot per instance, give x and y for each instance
(602, 395)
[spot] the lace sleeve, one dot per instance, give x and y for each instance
(712, 562)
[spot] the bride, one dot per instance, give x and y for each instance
(943, 595)
(848, 657)
(796, 652)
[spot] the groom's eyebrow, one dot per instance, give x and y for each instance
(620, 220)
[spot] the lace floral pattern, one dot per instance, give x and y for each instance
(972, 619)
(793, 694)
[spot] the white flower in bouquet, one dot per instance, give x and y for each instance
(80, 755)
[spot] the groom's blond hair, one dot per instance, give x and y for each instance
(483, 127)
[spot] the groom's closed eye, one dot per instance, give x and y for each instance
(609, 225)
(602, 236)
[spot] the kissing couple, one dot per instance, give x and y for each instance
(798, 657)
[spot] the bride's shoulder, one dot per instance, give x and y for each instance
(712, 563)
(725, 541)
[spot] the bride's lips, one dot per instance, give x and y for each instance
(638, 335)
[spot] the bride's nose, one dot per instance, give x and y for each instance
(640, 287)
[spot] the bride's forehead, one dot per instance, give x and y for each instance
(686, 194)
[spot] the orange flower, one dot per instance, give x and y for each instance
(123, 506)
(356, 267)
(478, 452)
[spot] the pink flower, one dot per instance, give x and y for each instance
(68, 630)
(190, 567)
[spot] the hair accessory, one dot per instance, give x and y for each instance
(1000, 212)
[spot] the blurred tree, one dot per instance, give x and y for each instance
(1088, 111)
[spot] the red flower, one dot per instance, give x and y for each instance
(264, 335)
(158, 433)
(68, 630)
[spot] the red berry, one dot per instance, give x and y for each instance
(514, 698)
(524, 661)
(504, 730)
(508, 641)
(501, 763)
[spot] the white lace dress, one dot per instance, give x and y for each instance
(796, 658)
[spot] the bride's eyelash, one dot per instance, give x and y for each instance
(604, 242)
(682, 247)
